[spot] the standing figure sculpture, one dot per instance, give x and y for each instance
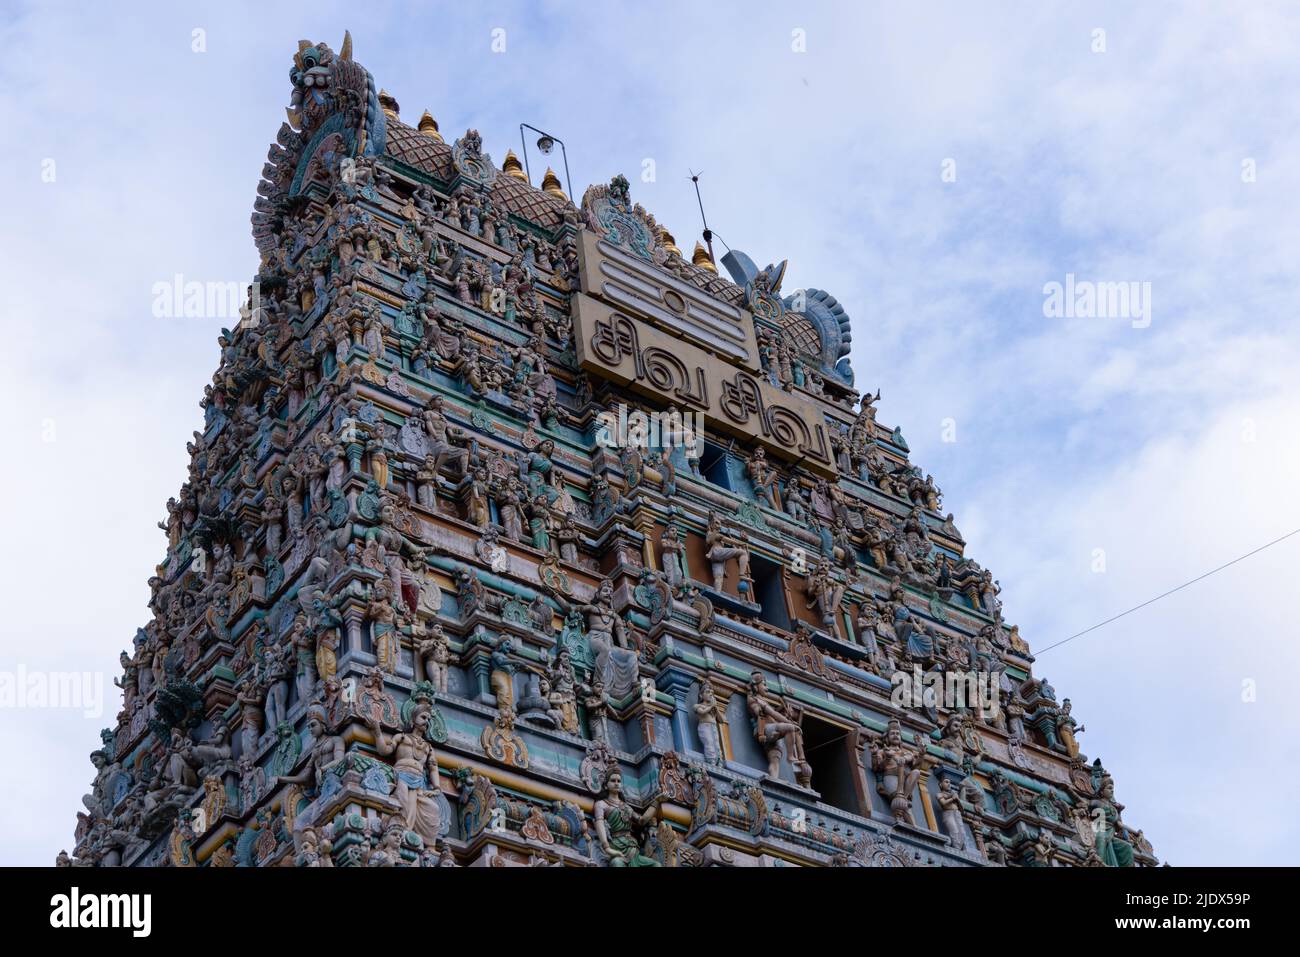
(304, 646)
(540, 473)
(950, 808)
(383, 626)
(510, 508)
(275, 681)
(596, 704)
(416, 770)
(325, 752)
(325, 631)
(249, 697)
(763, 479)
(899, 770)
(435, 655)
(563, 697)
(501, 674)
(824, 595)
(426, 485)
(540, 523)
(774, 722)
(673, 551)
(568, 535)
(1067, 728)
(1110, 831)
(721, 548)
(477, 511)
(707, 712)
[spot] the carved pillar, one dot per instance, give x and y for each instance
(723, 694)
(862, 761)
(785, 593)
(480, 666)
(678, 685)
(648, 549)
(354, 452)
(624, 547)
(926, 805)
(353, 622)
(844, 618)
(647, 719)
(976, 825)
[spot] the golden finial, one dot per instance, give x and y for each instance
(512, 167)
(701, 258)
(429, 126)
(389, 104)
(551, 184)
(668, 243)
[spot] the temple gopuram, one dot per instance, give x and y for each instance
(516, 537)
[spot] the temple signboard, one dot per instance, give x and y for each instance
(625, 281)
(629, 351)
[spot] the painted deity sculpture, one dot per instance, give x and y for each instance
(304, 647)
(824, 595)
(563, 698)
(541, 474)
(443, 438)
(275, 682)
(762, 478)
(616, 662)
(1067, 728)
(721, 549)
(435, 655)
(707, 712)
(325, 752)
(418, 781)
(673, 551)
(617, 823)
(898, 770)
(950, 810)
(384, 635)
(1110, 833)
(774, 722)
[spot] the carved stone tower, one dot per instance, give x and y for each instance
(515, 537)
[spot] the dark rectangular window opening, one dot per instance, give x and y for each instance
(769, 592)
(713, 466)
(828, 750)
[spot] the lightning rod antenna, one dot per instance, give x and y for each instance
(708, 233)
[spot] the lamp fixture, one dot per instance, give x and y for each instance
(545, 145)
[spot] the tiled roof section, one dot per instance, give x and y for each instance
(514, 195)
(416, 149)
(715, 285)
(509, 192)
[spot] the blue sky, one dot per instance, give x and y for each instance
(1172, 448)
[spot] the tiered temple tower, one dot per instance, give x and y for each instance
(515, 537)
